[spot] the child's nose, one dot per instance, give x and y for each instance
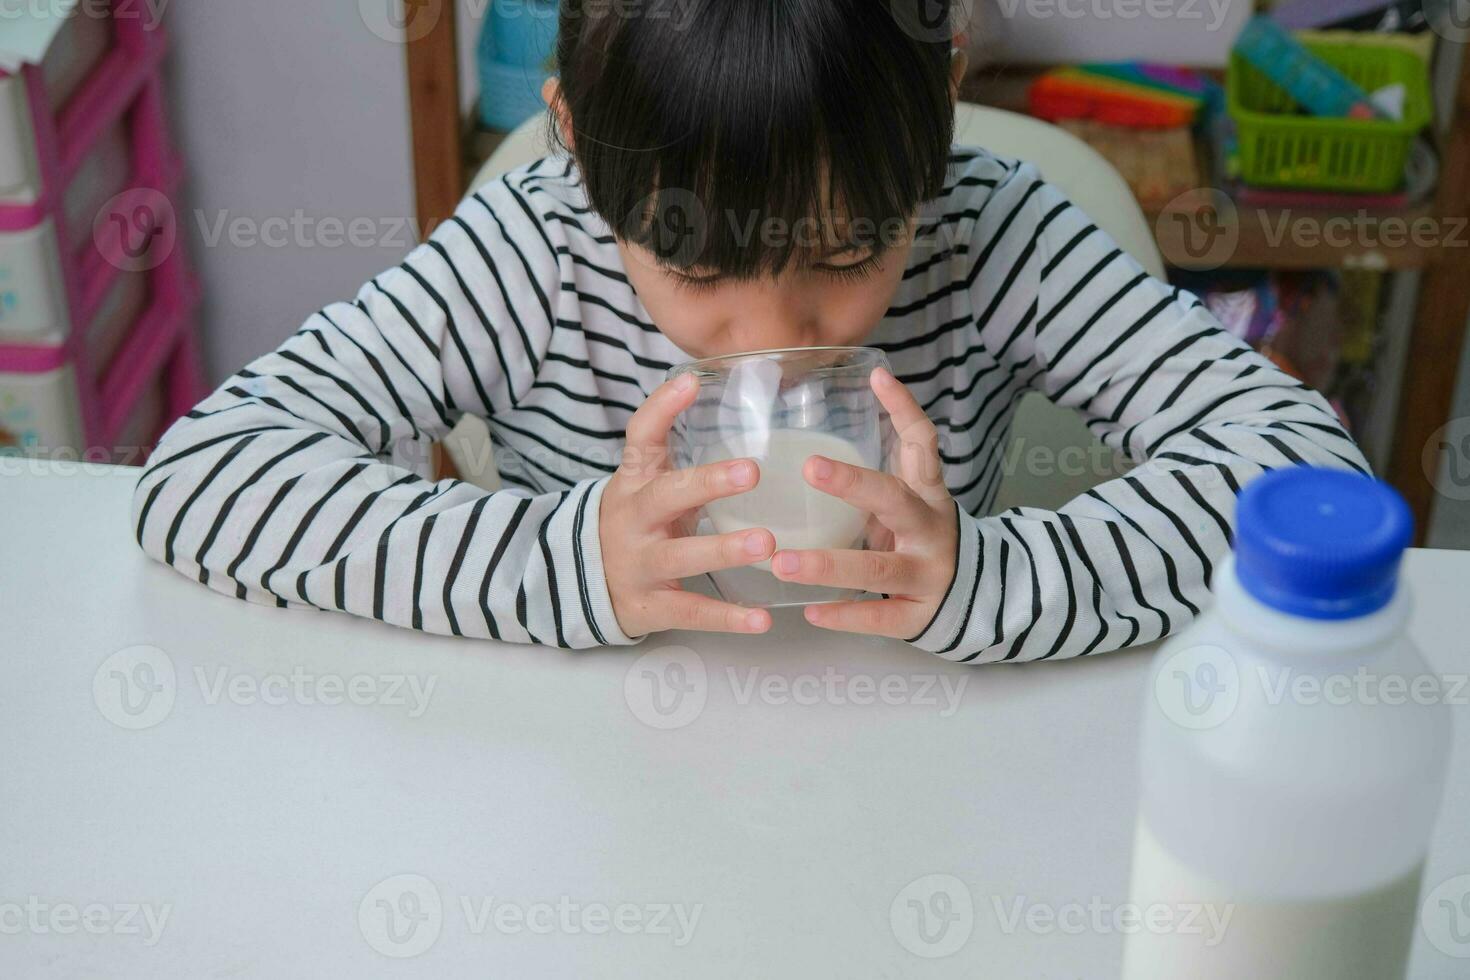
(776, 336)
(781, 318)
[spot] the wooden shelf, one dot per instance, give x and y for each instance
(1296, 238)
(1378, 240)
(1201, 233)
(432, 68)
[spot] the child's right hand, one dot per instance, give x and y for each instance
(645, 551)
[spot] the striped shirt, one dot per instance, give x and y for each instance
(306, 479)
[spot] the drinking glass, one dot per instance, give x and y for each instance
(779, 408)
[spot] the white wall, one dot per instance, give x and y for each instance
(1188, 32)
(280, 106)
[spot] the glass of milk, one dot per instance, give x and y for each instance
(780, 408)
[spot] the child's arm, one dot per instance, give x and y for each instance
(1157, 378)
(304, 479)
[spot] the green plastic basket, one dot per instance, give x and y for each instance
(1279, 147)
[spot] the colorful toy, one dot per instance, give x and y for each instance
(1132, 94)
(1168, 78)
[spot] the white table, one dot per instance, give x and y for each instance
(278, 837)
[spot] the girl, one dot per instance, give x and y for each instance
(736, 175)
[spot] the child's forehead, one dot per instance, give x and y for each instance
(814, 121)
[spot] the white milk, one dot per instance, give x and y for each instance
(1212, 933)
(1286, 779)
(800, 516)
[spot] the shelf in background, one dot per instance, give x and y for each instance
(1201, 237)
(1208, 230)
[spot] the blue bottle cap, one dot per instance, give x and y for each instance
(1324, 544)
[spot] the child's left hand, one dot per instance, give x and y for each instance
(916, 524)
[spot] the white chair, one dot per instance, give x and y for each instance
(1073, 166)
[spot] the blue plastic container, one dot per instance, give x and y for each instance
(517, 46)
(521, 33)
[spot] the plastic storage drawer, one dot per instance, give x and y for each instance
(77, 49)
(39, 413)
(32, 288)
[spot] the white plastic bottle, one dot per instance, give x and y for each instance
(1294, 752)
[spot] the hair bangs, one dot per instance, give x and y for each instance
(740, 137)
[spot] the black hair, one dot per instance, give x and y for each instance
(713, 131)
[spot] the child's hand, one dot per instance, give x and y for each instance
(916, 524)
(644, 550)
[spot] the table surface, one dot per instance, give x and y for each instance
(196, 786)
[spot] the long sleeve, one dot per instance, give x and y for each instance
(304, 480)
(1158, 380)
